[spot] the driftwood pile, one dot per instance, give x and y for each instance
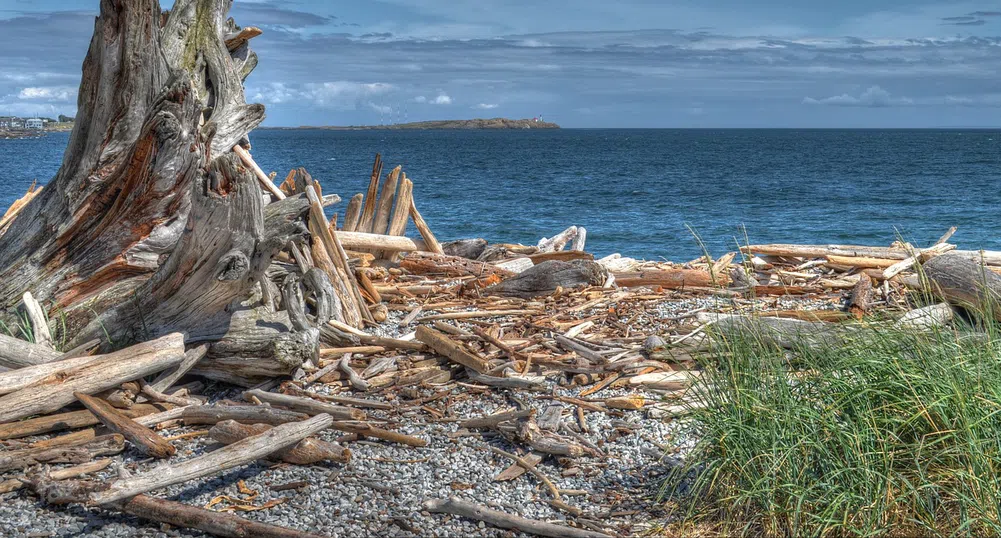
(161, 255)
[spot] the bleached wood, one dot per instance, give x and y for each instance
(430, 241)
(476, 512)
(214, 523)
(305, 405)
(371, 197)
(352, 216)
(15, 380)
(56, 391)
(234, 455)
(455, 352)
(305, 452)
(263, 178)
(36, 316)
(386, 199)
(17, 353)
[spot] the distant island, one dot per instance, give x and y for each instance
(494, 123)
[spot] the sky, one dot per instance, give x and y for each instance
(585, 63)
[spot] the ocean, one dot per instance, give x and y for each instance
(651, 194)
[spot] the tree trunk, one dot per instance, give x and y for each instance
(153, 224)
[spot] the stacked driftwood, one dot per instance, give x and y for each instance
(161, 256)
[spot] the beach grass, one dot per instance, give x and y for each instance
(890, 433)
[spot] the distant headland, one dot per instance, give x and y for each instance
(494, 123)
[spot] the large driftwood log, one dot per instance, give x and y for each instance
(55, 391)
(781, 332)
(545, 278)
(964, 282)
(214, 523)
(305, 452)
(244, 414)
(16, 380)
(153, 222)
(671, 279)
(17, 353)
(420, 263)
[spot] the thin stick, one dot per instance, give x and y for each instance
(261, 176)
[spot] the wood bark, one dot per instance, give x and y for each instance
(966, 283)
(455, 352)
(56, 391)
(153, 224)
(860, 300)
(545, 278)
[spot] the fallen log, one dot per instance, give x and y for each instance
(15, 380)
(466, 509)
(51, 393)
(926, 318)
(76, 471)
(453, 266)
(234, 455)
(367, 241)
(782, 332)
(17, 353)
(306, 452)
(547, 277)
(305, 405)
(244, 414)
(214, 523)
(671, 279)
(144, 439)
(965, 283)
(822, 251)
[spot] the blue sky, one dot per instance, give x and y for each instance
(586, 63)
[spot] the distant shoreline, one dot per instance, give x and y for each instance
(493, 123)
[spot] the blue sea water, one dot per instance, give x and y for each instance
(643, 192)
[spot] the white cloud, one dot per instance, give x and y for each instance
(340, 95)
(420, 99)
(486, 106)
(48, 93)
(873, 97)
(442, 99)
(382, 109)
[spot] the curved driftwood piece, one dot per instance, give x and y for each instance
(476, 512)
(782, 332)
(545, 278)
(53, 392)
(964, 282)
(305, 452)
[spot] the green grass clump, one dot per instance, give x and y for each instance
(891, 433)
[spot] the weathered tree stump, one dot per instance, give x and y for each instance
(154, 224)
(965, 282)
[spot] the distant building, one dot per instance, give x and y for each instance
(11, 122)
(34, 123)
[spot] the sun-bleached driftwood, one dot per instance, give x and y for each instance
(263, 178)
(401, 213)
(214, 523)
(927, 318)
(522, 382)
(782, 332)
(77, 453)
(36, 316)
(368, 241)
(455, 352)
(465, 248)
(245, 414)
(491, 421)
(822, 251)
(305, 452)
(352, 216)
(17, 353)
(371, 197)
(66, 421)
(15, 380)
(545, 278)
(49, 394)
(387, 197)
(144, 439)
(234, 455)
(369, 430)
(172, 375)
(66, 473)
(559, 241)
(458, 507)
(964, 282)
(430, 241)
(305, 405)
